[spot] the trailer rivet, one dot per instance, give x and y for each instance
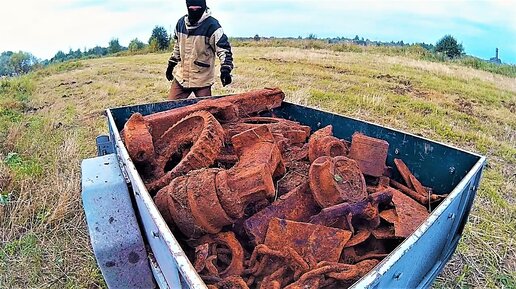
(397, 276)
(396, 151)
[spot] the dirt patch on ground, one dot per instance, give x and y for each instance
(510, 105)
(464, 105)
(402, 85)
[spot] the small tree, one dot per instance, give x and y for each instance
(5, 63)
(136, 45)
(312, 36)
(449, 47)
(22, 62)
(256, 37)
(114, 46)
(153, 45)
(160, 34)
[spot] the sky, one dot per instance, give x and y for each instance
(43, 27)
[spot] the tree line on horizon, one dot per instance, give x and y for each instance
(16, 63)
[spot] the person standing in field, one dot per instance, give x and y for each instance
(198, 38)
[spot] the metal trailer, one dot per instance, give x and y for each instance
(135, 248)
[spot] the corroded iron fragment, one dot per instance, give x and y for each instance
(404, 172)
(179, 209)
(231, 282)
(192, 143)
(364, 210)
(205, 200)
(370, 154)
(201, 254)
(336, 180)
(139, 143)
(225, 109)
(251, 179)
(192, 204)
(410, 214)
(358, 238)
(310, 241)
(282, 129)
(297, 205)
(219, 243)
(323, 143)
(337, 271)
(296, 175)
(301, 208)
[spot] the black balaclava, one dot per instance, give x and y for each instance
(195, 15)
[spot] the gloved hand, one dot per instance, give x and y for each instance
(225, 76)
(170, 68)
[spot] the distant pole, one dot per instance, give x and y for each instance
(496, 53)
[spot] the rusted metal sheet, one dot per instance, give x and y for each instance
(410, 214)
(370, 154)
(311, 241)
(297, 205)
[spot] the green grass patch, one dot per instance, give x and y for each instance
(410, 51)
(60, 67)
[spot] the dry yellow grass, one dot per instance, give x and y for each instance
(43, 237)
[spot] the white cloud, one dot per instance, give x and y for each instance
(44, 27)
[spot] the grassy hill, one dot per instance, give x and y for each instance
(49, 120)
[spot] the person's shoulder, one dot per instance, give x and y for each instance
(212, 21)
(181, 21)
(181, 25)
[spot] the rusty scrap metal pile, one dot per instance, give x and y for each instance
(260, 202)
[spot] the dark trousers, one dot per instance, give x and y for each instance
(179, 92)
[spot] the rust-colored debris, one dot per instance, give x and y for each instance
(223, 248)
(370, 154)
(138, 142)
(345, 214)
(226, 109)
(414, 188)
(410, 214)
(323, 143)
(310, 241)
(251, 179)
(404, 171)
(337, 271)
(282, 129)
(257, 202)
(336, 180)
(192, 143)
(297, 205)
(205, 200)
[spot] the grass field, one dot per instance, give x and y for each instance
(49, 121)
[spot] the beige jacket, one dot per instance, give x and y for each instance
(195, 50)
